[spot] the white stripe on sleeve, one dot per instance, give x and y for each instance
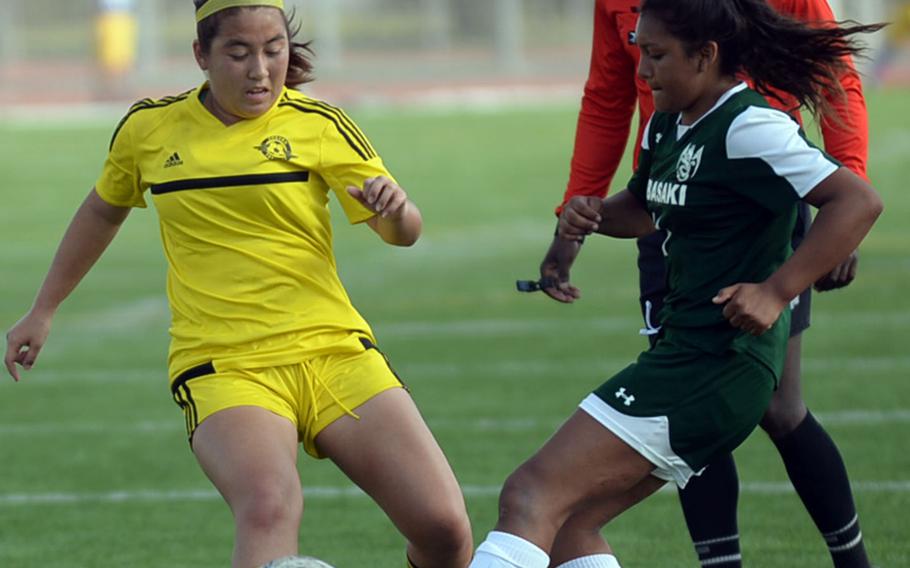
(772, 136)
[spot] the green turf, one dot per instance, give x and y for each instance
(493, 371)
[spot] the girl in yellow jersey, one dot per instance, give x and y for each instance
(267, 352)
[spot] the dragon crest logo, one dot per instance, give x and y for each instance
(688, 163)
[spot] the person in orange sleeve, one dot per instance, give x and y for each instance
(813, 462)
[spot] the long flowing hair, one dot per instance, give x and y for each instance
(803, 59)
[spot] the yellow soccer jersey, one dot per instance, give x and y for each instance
(243, 212)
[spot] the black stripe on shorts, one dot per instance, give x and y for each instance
(184, 398)
(367, 345)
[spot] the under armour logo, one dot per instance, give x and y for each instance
(658, 137)
(627, 399)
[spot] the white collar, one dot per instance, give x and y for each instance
(723, 98)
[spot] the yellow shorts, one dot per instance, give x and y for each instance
(311, 394)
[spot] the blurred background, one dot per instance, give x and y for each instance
(472, 105)
(82, 51)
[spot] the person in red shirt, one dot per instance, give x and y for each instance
(813, 461)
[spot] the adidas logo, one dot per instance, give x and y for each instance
(174, 160)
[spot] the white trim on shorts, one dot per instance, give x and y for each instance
(647, 435)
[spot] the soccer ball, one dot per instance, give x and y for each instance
(297, 562)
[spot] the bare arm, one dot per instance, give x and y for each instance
(397, 219)
(607, 108)
(88, 235)
(847, 208)
(603, 127)
(622, 216)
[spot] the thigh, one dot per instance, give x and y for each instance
(246, 448)
(581, 465)
(336, 385)
(787, 408)
(388, 447)
(789, 391)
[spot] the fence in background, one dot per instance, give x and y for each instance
(48, 47)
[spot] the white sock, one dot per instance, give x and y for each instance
(504, 550)
(594, 561)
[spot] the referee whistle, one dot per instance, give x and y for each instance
(535, 285)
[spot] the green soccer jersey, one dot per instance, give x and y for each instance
(725, 190)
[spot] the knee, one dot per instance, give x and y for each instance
(445, 533)
(783, 416)
(266, 507)
(524, 498)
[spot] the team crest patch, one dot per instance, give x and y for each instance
(276, 148)
(688, 163)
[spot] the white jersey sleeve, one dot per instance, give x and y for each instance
(775, 138)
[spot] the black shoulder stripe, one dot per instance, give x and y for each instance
(343, 117)
(143, 105)
(366, 154)
(340, 119)
(346, 120)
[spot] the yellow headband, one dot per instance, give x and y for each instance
(213, 6)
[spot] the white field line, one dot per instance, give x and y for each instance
(153, 310)
(478, 99)
(588, 368)
(139, 313)
(322, 492)
(856, 417)
(505, 327)
(144, 312)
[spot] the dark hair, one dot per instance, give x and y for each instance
(300, 67)
(775, 51)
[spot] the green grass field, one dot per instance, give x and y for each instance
(94, 467)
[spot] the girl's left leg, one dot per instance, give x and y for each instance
(391, 454)
(582, 464)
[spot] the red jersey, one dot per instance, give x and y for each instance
(613, 88)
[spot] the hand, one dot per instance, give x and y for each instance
(840, 276)
(381, 196)
(24, 341)
(555, 268)
(751, 307)
(580, 217)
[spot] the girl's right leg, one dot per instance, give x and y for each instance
(581, 535)
(250, 455)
